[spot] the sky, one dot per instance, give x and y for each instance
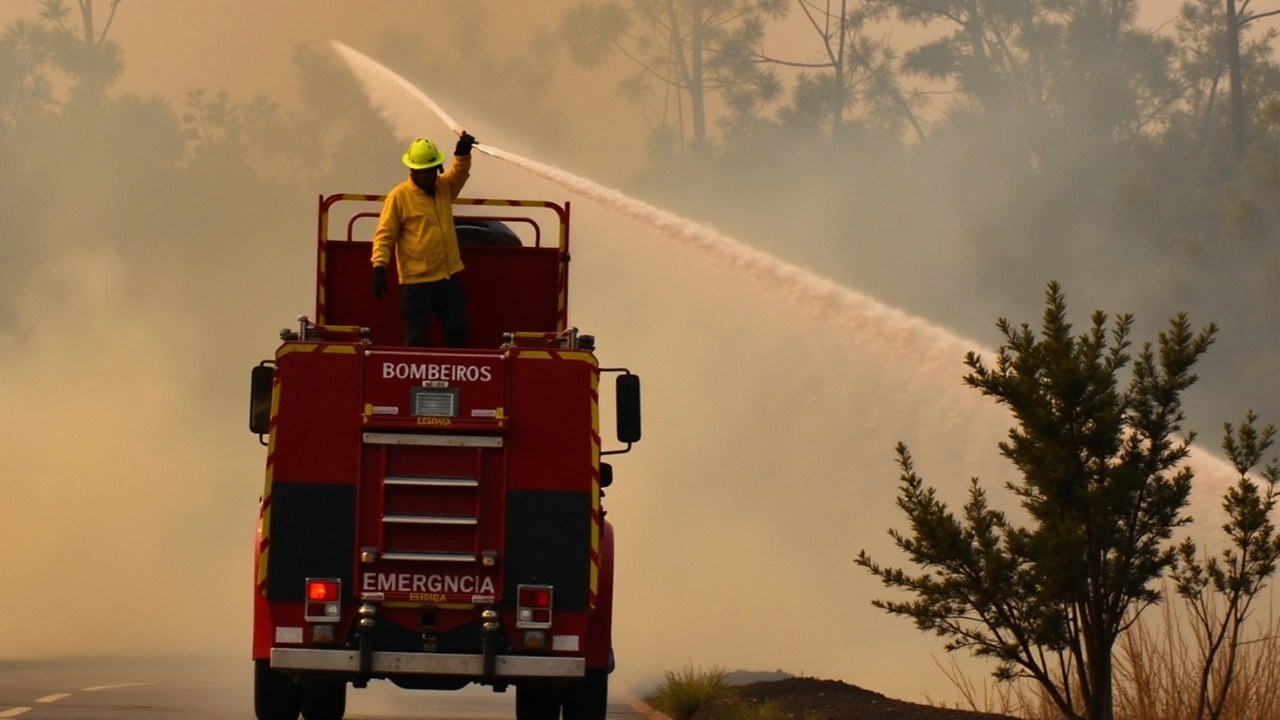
(770, 417)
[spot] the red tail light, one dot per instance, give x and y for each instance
(323, 600)
(535, 597)
(322, 590)
(533, 606)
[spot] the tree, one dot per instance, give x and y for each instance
(851, 61)
(1211, 53)
(335, 132)
(1236, 20)
(82, 50)
(993, 53)
(31, 49)
(1076, 78)
(25, 89)
(1221, 590)
(1102, 486)
(693, 49)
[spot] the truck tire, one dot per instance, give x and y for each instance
(275, 696)
(589, 698)
(324, 701)
(537, 703)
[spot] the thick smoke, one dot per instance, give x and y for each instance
(130, 484)
(117, 485)
(774, 400)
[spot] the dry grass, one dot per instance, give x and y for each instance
(1158, 671)
(1157, 674)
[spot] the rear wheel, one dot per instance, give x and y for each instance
(589, 698)
(275, 695)
(324, 701)
(537, 703)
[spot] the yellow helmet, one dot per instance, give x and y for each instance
(422, 153)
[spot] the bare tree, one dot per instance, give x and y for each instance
(691, 49)
(1220, 591)
(852, 59)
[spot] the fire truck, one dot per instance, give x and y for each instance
(432, 516)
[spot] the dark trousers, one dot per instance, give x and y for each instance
(446, 299)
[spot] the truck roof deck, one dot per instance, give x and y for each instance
(510, 287)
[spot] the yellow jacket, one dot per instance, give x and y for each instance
(420, 227)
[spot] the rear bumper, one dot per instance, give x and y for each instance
(389, 663)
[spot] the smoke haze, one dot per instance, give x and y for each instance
(128, 325)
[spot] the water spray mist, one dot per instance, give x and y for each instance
(397, 100)
(859, 376)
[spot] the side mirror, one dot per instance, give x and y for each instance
(606, 475)
(628, 400)
(260, 385)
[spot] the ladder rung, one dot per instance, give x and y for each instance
(431, 481)
(430, 519)
(430, 556)
(443, 440)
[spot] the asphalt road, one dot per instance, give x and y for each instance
(211, 689)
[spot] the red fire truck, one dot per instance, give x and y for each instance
(432, 516)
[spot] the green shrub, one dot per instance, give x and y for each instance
(682, 693)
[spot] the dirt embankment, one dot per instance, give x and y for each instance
(811, 699)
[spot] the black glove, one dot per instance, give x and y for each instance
(379, 280)
(465, 141)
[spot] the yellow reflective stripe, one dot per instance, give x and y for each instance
(262, 556)
(595, 579)
(579, 356)
(570, 355)
(495, 202)
(595, 486)
(266, 489)
(294, 347)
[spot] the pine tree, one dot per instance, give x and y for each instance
(1103, 486)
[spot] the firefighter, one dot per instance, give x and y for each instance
(417, 221)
